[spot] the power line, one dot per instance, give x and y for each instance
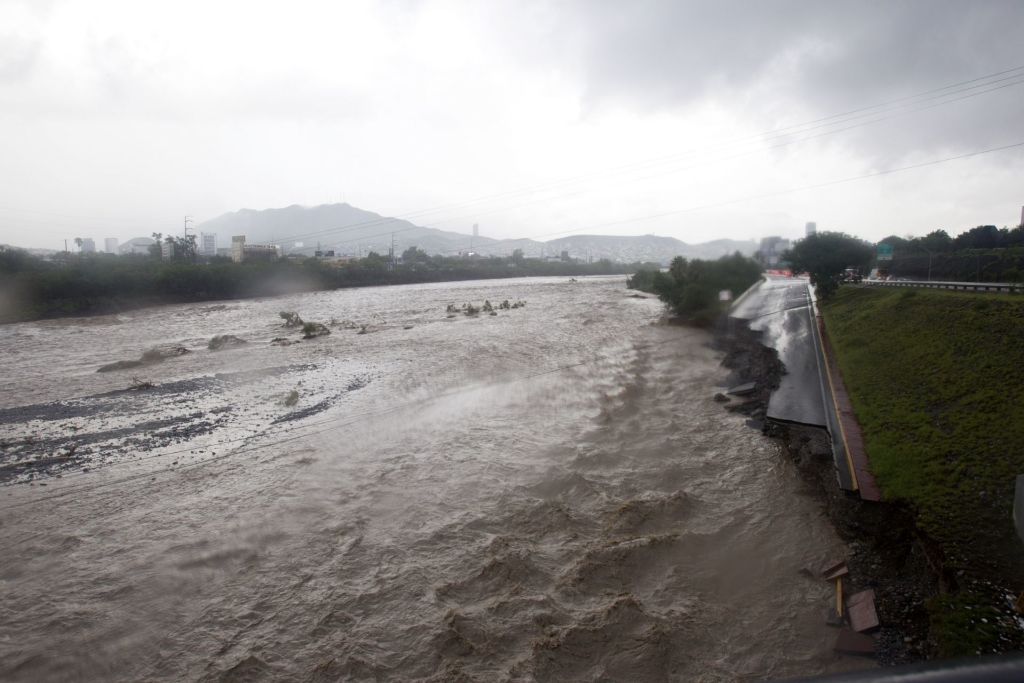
(766, 136)
(728, 202)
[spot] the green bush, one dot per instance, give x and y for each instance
(691, 288)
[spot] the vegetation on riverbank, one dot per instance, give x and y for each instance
(692, 288)
(32, 288)
(937, 381)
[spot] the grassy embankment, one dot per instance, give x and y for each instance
(937, 381)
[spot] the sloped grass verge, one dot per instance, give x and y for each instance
(937, 382)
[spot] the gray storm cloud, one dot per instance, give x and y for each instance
(823, 57)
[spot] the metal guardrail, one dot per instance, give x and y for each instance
(1010, 287)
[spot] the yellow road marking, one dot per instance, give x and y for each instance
(839, 419)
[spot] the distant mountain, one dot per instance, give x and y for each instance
(340, 227)
(349, 230)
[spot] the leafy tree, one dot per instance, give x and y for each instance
(79, 242)
(415, 255)
(981, 237)
(691, 288)
(375, 261)
(936, 241)
(898, 243)
(154, 249)
(185, 248)
(825, 255)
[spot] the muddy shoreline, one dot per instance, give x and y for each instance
(887, 551)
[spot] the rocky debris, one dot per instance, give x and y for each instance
(281, 341)
(369, 329)
(344, 324)
(140, 384)
(155, 355)
(291, 319)
(721, 398)
(292, 398)
(225, 341)
(470, 310)
(311, 330)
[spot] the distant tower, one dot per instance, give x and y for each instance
(238, 248)
(110, 245)
(208, 244)
(88, 246)
(476, 229)
(811, 229)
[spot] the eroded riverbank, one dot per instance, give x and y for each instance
(886, 550)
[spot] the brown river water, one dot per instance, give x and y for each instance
(546, 494)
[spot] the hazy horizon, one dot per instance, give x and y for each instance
(696, 121)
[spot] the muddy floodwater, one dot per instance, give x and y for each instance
(549, 493)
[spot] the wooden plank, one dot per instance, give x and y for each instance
(836, 572)
(839, 595)
(863, 616)
(831, 567)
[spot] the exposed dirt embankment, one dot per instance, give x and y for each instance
(887, 551)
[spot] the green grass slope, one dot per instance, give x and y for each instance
(937, 381)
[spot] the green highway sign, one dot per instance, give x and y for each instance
(884, 252)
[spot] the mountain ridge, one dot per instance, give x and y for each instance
(349, 230)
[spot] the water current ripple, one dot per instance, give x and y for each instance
(547, 494)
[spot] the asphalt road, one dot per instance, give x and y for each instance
(780, 309)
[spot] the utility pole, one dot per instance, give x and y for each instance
(188, 219)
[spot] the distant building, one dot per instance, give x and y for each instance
(240, 251)
(224, 251)
(167, 250)
(238, 248)
(811, 229)
(208, 244)
(476, 230)
(137, 245)
(88, 246)
(110, 245)
(769, 254)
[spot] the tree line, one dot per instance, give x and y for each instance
(80, 284)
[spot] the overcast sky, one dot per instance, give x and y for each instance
(117, 118)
